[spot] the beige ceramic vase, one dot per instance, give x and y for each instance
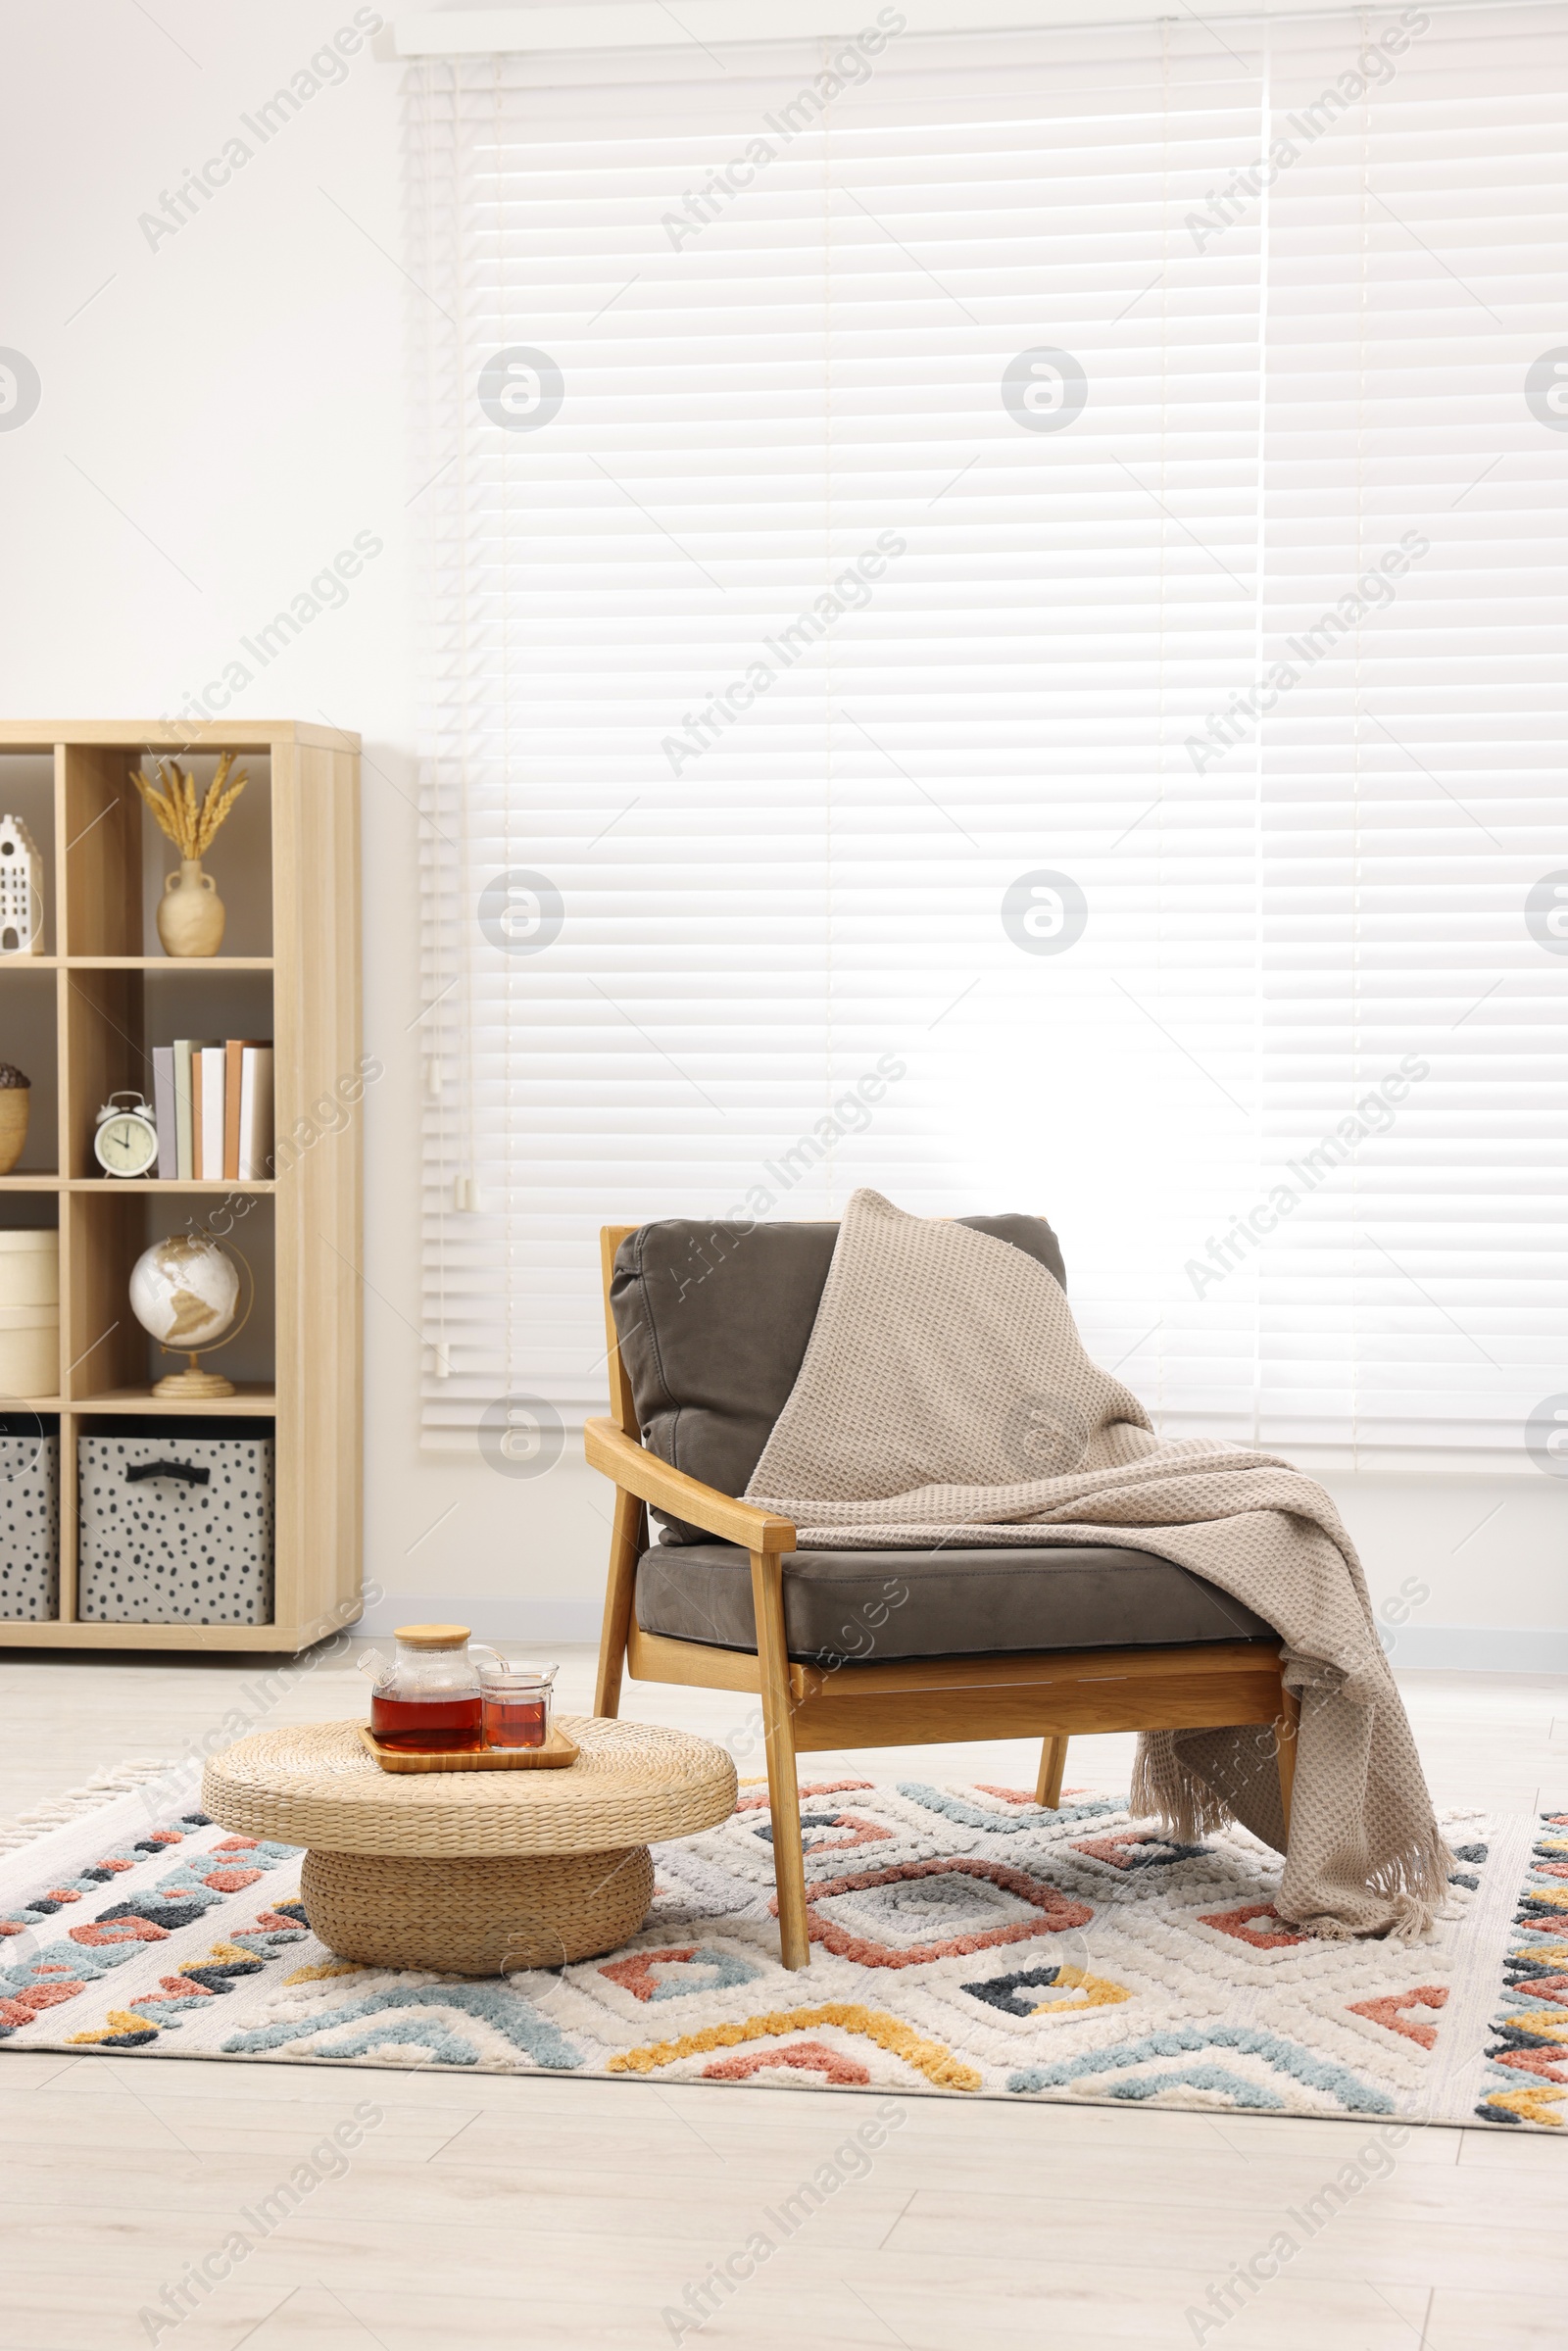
(190, 912)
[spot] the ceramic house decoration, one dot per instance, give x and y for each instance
(21, 890)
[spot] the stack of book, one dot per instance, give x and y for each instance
(212, 1104)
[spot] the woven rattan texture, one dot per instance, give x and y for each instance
(313, 1785)
(475, 1918)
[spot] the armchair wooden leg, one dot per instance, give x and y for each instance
(1053, 1763)
(1285, 1730)
(778, 1736)
(627, 1543)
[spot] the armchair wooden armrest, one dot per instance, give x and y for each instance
(636, 1471)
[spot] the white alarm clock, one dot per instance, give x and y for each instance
(126, 1141)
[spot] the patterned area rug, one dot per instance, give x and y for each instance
(964, 1941)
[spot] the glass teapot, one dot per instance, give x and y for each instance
(426, 1699)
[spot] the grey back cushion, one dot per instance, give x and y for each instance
(713, 1320)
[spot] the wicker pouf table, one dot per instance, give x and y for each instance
(473, 1873)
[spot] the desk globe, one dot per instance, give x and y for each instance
(184, 1292)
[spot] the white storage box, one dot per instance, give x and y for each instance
(30, 1313)
(176, 1523)
(30, 1518)
(29, 1268)
(29, 1351)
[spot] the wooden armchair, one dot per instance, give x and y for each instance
(815, 1702)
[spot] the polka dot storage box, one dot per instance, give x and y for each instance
(30, 1517)
(176, 1522)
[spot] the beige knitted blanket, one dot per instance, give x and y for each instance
(945, 1397)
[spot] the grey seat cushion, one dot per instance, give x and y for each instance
(872, 1606)
(713, 1320)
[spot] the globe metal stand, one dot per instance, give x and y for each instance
(193, 1385)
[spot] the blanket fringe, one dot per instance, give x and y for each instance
(1167, 1789)
(102, 1788)
(1413, 1881)
(1416, 1882)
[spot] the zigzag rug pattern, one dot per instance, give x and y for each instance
(964, 1941)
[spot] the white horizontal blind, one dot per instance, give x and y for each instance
(872, 719)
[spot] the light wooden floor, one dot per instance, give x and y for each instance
(532, 2215)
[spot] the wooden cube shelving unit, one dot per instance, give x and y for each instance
(115, 995)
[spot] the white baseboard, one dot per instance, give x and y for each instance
(493, 1616)
(1478, 1649)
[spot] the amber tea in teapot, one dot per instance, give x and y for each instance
(426, 1699)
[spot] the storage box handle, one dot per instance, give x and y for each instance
(137, 1470)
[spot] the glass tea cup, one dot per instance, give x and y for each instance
(517, 1702)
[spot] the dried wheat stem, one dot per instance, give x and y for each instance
(189, 824)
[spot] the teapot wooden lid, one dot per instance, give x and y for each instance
(433, 1637)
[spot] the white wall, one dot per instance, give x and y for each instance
(223, 410)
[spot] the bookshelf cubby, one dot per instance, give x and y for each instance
(83, 1021)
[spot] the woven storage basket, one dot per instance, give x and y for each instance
(475, 1918)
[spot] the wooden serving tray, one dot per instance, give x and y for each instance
(557, 1752)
